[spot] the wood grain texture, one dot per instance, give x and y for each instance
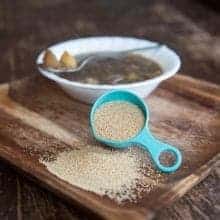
(28, 26)
(189, 122)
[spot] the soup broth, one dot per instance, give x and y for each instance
(128, 69)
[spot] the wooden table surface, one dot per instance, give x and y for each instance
(27, 26)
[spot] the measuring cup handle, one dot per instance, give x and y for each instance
(156, 147)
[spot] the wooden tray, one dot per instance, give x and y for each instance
(37, 118)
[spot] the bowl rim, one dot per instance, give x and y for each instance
(165, 74)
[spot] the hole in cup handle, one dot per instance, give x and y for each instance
(175, 152)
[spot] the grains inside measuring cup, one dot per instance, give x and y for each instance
(118, 120)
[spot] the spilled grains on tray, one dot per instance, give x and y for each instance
(120, 175)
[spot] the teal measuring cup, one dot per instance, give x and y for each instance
(143, 138)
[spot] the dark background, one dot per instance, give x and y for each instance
(28, 26)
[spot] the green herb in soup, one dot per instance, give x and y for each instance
(128, 69)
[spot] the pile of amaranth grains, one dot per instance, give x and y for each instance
(122, 175)
(118, 120)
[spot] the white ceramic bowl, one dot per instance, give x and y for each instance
(167, 58)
